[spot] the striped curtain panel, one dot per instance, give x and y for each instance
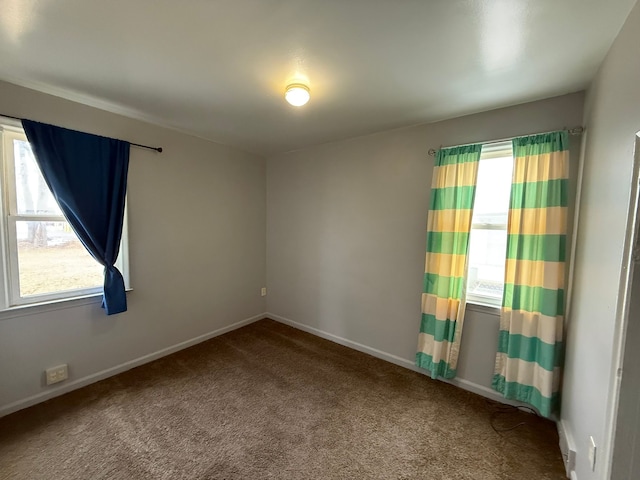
(448, 225)
(531, 322)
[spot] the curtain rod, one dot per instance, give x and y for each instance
(572, 131)
(157, 149)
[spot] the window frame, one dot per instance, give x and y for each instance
(10, 297)
(489, 151)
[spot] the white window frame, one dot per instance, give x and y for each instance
(9, 274)
(489, 151)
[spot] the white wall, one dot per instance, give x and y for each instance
(346, 232)
(197, 253)
(612, 117)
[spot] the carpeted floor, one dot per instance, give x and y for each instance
(270, 402)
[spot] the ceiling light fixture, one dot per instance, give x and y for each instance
(297, 94)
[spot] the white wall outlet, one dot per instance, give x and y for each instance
(263, 291)
(568, 453)
(592, 454)
(57, 374)
(570, 462)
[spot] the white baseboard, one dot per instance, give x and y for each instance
(109, 372)
(402, 362)
(96, 377)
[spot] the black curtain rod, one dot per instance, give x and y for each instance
(157, 149)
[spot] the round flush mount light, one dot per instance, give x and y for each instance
(297, 94)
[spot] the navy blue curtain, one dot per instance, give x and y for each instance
(87, 175)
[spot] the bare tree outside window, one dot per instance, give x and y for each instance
(31, 191)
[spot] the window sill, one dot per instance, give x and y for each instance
(483, 308)
(51, 305)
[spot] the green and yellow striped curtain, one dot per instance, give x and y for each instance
(531, 321)
(448, 225)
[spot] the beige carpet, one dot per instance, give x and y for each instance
(271, 402)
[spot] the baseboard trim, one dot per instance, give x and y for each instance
(123, 367)
(402, 362)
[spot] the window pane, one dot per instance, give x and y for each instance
(493, 191)
(52, 259)
(487, 252)
(33, 197)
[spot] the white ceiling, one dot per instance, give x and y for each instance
(218, 68)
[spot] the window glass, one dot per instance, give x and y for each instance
(488, 240)
(52, 259)
(32, 193)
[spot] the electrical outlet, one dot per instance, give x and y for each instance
(592, 454)
(570, 462)
(263, 291)
(568, 455)
(57, 374)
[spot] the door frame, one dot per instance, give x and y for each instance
(623, 459)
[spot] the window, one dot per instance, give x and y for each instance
(488, 240)
(42, 258)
